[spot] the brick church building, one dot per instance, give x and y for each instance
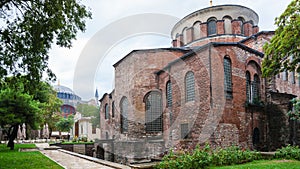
(206, 88)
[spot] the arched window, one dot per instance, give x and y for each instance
(153, 117)
(211, 27)
(169, 94)
(227, 78)
(113, 109)
(106, 107)
(196, 32)
(189, 86)
(124, 114)
(256, 84)
(242, 24)
(227, 24)
(248, 86)
(169, 99)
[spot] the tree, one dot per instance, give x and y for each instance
(17, 107)
(31, 27)
(283, 51)
(20, 103)
(49, 103)
(89, 111)
(65, 124)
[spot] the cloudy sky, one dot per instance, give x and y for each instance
(88, 64)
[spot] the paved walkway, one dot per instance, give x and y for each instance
(71, 162)
(67, 160)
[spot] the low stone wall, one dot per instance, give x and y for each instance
(85, 149)
(126, 152)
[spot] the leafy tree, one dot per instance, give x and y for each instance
(65, 124)
(89, 111)
(50, 105)
(283, 52)
(17, 107)
(31, 27)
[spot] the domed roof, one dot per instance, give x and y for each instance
(63, 89)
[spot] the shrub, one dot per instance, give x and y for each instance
(233, 155)
(199, 158)
(288, 152)
(202, 158)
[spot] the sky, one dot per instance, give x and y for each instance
(119, 26)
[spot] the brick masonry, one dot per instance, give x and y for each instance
(212, 118)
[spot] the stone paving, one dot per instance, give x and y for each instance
(69, 161)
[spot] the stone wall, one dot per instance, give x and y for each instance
(85, 149)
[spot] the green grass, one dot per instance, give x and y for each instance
(265, 164)
(25, 160)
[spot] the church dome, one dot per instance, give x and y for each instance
(232, 20)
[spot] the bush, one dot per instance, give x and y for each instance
(288, 152)
(203, 158)
(199, 158)
(233, 155)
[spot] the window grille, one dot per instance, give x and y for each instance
(256, 85)
(227, 78)
(169, 94)
(190, 86)
(211, 27)
(153, 112)
(106, 111)
(248, 86)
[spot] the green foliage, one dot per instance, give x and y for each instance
(65, 124)
(233, 155)
(31, 27)
(203, 158)
(288, 152)
(90, 111)
(295, 113)
(17, 107)
(285, 43)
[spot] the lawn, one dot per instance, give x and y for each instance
(265, 164)
(25, 160)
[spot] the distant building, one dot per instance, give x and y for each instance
(69, 98)
(82, 126)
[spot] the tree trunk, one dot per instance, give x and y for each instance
(12, 135)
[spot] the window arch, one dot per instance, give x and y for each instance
(106, 110)
(227, 24)
(169, 94)
(184, 34)
(189, 86)
(124, 114)
(242, 24)
(227, 78)
(153, 107)
(211, 26)
(256, 85)
(196, 30)
(248, 86)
